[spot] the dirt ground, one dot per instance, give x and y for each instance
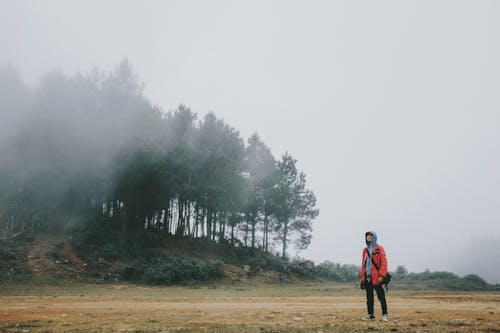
(267, 308)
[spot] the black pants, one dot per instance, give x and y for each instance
(369, 297)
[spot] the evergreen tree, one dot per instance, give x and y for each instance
(294, 206)
(260, 168)
(93, 149)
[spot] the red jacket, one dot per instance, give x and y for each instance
(380, 260)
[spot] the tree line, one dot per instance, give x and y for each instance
(93, 150)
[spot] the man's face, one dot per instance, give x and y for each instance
(369, 237)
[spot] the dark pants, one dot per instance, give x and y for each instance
(369, 297)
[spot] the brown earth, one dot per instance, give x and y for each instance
(56, 259)
(244, 302)
(258, 308)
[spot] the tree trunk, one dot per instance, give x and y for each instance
(253, 233)
(196, 221)
(214, 225)
(246, 234)
(171, 217)
(232, 234)
(209, 223)
(285, 231)
(203, 222)
(188, 218)
(223, 222)
(180, 217)
(265, 237)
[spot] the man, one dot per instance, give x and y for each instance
(373, 272)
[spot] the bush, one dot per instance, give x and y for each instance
(304, 268)
(337, 272)
(470, 282)
(400, 273)
(258, 260)
(96, 231)
(167, 269)
(446, 281)
(428, 276)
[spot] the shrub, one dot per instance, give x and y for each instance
(400, 273)
(469, 282)
(304, 268)
(447, 281)
(167, 269)
(337, 272)
(258, 260)
(97, 231)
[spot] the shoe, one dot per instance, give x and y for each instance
(385, 317)
(368, 317)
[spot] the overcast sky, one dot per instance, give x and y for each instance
(391, 107)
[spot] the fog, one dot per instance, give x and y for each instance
(391, 108)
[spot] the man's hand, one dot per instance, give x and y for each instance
(362, 285)
(379, 279)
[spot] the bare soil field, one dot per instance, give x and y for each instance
(311, 307)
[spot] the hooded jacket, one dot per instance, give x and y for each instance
(378, 255)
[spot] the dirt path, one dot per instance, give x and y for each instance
(38, 257)
(433, 313)
(53, 257)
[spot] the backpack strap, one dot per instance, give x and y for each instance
(371, 258)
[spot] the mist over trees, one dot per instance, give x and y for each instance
(91, 150)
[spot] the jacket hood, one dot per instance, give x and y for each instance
(374, 240)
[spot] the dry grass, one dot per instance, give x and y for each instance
(239, 308)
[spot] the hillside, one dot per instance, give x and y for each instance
(55, 259)
(156, 259)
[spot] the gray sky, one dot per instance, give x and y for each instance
(391, 107)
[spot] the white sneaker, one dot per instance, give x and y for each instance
(368, 317)
(385, 317)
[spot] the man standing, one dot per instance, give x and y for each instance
(373, 272)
